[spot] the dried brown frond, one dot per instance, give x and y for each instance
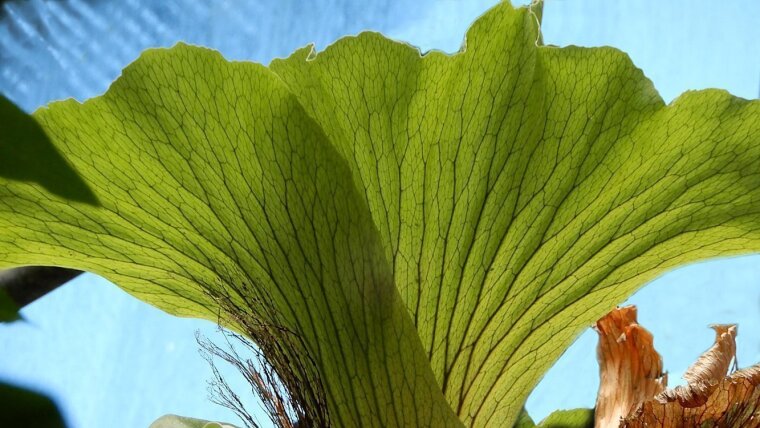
(279, 368)
(706, 373)
(264, 382)
(629, 367)
(734, 403)
(711, 397)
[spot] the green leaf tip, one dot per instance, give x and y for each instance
(413, 239)
(28, 155)
(174, 421)
(576, 418)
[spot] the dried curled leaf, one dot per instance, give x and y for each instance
(734, 403)
(706, 373)
(629, 367)
(632, 391)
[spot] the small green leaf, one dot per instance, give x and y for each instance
(174, 421)
(8, 308)
(23, 408)
(524, 420)
(576, 418)
(27, 154)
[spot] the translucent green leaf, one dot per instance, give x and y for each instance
(420, 236)
(521, 191)
(214, 182)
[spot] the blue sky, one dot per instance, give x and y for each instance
(110, 360)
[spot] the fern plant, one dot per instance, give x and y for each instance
(411, 240)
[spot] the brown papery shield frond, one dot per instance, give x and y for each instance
(733, 403)
(629, 367)
(707, 372)
(633, 392)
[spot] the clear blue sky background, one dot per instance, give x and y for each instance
(112, 361)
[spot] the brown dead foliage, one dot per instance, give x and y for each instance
(633, 392)
(630, 368)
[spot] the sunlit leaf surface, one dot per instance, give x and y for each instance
(423, 234)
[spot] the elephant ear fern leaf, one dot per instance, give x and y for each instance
(422, 235)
